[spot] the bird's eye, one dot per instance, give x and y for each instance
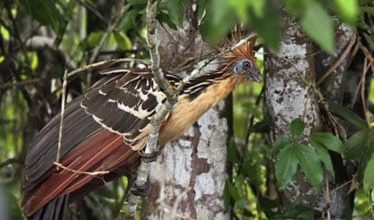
(246, 65)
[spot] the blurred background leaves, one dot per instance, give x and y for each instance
(40, 39)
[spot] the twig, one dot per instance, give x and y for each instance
(60, 132)
(106, 34)
(342, 57)
(171, 94)
(363, 86)
(152, 146)
(251, 119)
(91, 8)
(94, 173)
(368, 64)
(10, 161)
(22, 83)
(106, 63)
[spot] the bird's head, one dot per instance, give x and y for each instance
(241, 61)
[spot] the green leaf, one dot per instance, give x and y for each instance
(176, 10)
(232, 152)
(297, 127)
(240, 7)
(298, 212)
(122, 40)
(369, 41)
(369, 175)
(94, 38)
(4, 33)
(45, 12)
(310, 163)
(286, 165)
(128, 20)
(266, 24)
(295, 7)
(234, 192)
(281, 142)
(324, 156)
(219, 19)
(318, 25)
(226, 195)
(355, 146)
(348, 115)
(328, 140)
(348, 10)
(368, 9)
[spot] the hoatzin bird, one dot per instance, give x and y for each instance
(105, 128)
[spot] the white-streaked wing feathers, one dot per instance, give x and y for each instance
(125, 104)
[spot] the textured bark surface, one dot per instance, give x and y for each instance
(189, 176)
(290, 95)
(289, 90)
(188, 179)
(334, 89)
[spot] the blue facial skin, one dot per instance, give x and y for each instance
(242, 66)
(245, 66)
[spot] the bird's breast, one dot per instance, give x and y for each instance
(186, 111)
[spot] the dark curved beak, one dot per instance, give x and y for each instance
(254, 75)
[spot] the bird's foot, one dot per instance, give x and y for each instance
(140, 190)
(149, 157)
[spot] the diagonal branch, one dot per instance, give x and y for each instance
(172, 97)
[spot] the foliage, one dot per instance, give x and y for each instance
(77, 29)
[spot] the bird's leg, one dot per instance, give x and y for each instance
(149, 157)
(140, 190)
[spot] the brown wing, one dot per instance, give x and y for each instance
(124, 106)
(118, 107)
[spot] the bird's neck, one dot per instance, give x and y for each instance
(188, 110)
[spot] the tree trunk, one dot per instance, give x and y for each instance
(290, 95)
(334, 89)
(189, 176)
(188, 179)
(292, 74)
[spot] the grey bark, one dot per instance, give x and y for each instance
(290, 95)
(334, 89)
(189, 176)
(188, 179)
(292, 73)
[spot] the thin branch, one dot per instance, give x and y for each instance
(106, 34)
(172, 97)
(11, 161)
(252, 117)
(94, 11)
(104, 64)
(22, 83)
(60, 132)
(94, 173)
(363, 86)
(342, 57)
(152, 146)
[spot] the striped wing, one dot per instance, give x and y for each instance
(124, 105)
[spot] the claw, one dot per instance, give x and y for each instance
(140, 190)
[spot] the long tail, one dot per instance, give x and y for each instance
(86, 147)
(103, 152)
(54, 210)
